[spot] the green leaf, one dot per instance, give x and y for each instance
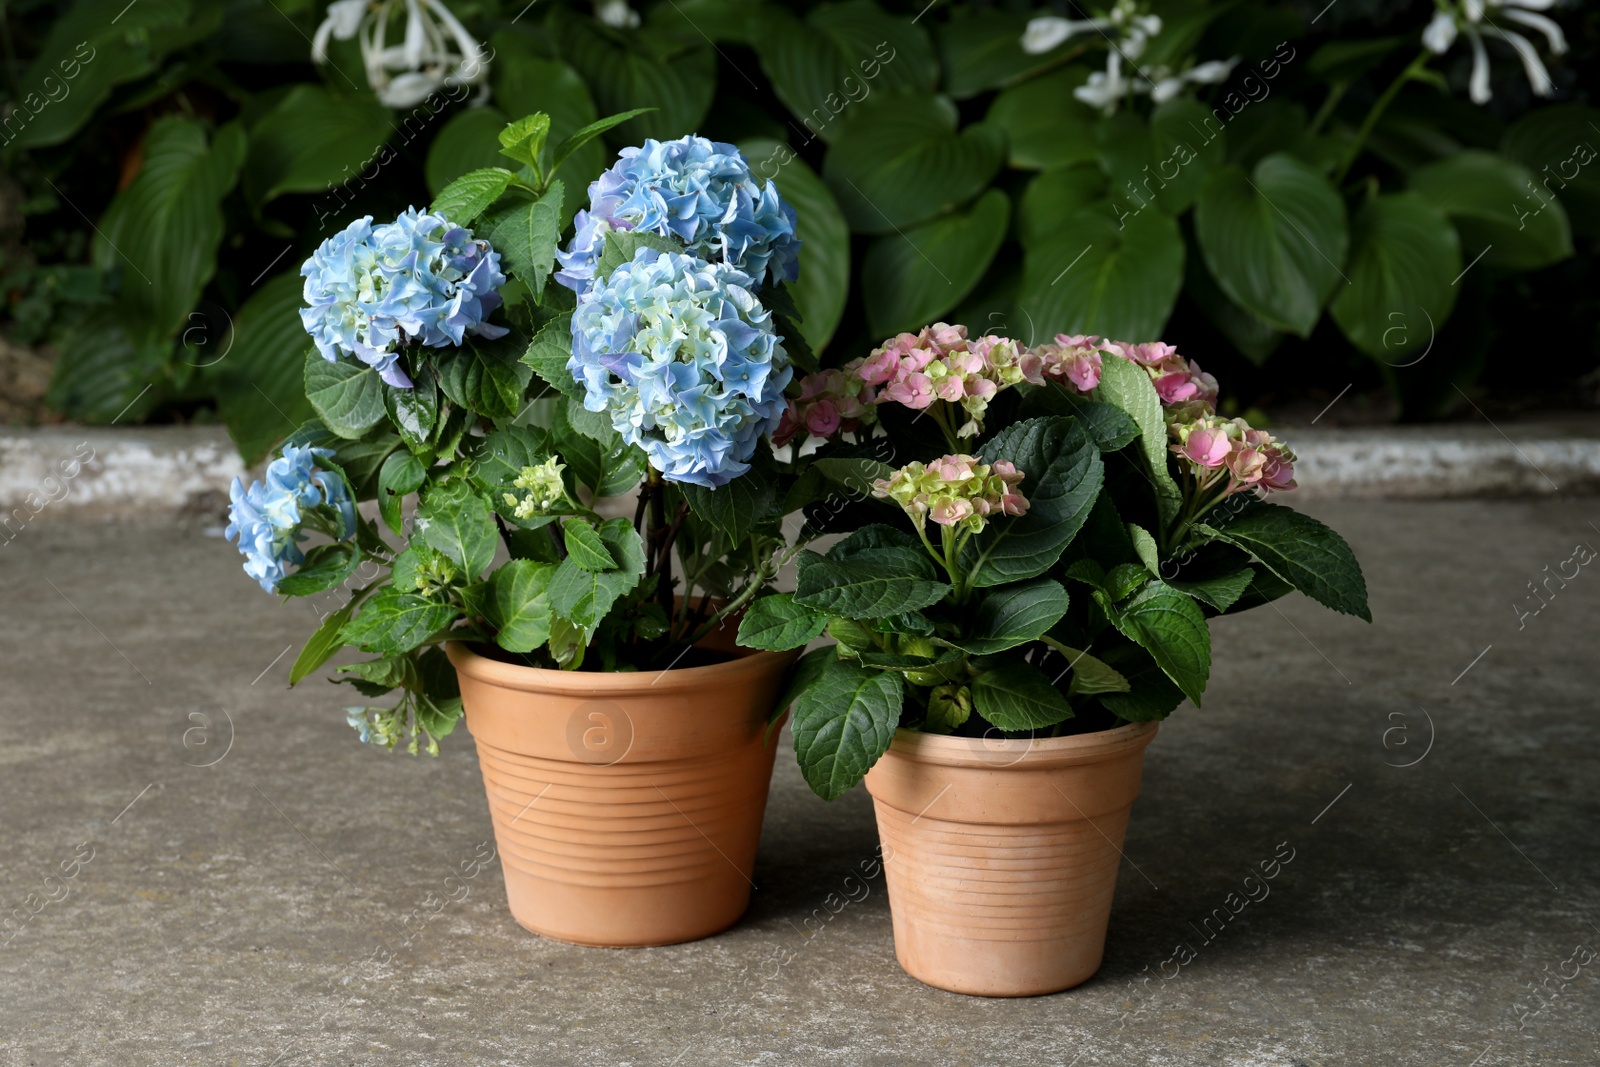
(873, 583)
(486, 377)
(415, 411)
(1054, 198)
(471, 194)
(1557, 143)
(391, 623)
(776, 623)
(322, 645)
(503, 453)
(457, 522)
(1301, 551)
(1151, 695)
(1184, 152)
(1089, 276)
(390, 672)
(1062, 475)
(843, 723)
(93, 46)
(824, 280)
(875, 535)
(802, 676)
(1220, 592)
(162, 232)
(738, 507)
(981, 49)
(1168, 625)
(824, 68)
(1090, 676)
(667, 95)
(608, 470)
(584, 546)
(1019, 696)
(313, 142)
(101, 376)
(1126, 385)
(523, 140)
(1145, 545)
(467, 142)
(1012, 615)
(548, 355)
(1275, 239)
(900, 160)
(525, 81)
(913, 278)
(519, 604)
(347, 397)
(1256, 339)
(527, 238)
(583, 136)
(325, 567)
(583, 597)
(1046, 126)
(401, 473)
(260, 394)
(622, 245)
(1499, 208)
(1405, 259)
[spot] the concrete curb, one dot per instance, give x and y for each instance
(156, 472)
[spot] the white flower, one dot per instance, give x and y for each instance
(1473, 20)
(1133, 29)
(616, 13)
(436, 52)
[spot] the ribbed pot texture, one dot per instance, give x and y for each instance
(1001, 856)
(626, 806)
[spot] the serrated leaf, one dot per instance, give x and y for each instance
(527, 237)
(741, 505)
(1090, 676)
(457, 522)
(519, 604)
(622, 245)
(401, 473)
(325, 566)
(843, 723)
(1019, 696)
(391, 623)
(1301, 551)
(585, 134)
(1062, 475)
(347, 397)
(585, 547)
(874, 582)
(583, 597)
(776, 623)
(1221, 592)
(549, 353)
(523, 140)
(1126, 385)
(464, 199)
(1167, 624)
(484, 376)
(1010, 616)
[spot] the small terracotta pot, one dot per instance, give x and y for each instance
(626, 806)
(1001, 856)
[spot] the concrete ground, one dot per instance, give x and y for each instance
(248, 885)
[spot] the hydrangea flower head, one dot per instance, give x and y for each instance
(955, 490)
(267, 517)
(698, 191)
(684, 359)
(1228, 453)
(420, 279)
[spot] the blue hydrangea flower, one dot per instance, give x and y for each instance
(683, 357)
(267, 517)
(699, 191)
(420, 279)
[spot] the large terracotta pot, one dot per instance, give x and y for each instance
(627, 807)
(1001, 856)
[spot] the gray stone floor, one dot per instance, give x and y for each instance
(254, 911)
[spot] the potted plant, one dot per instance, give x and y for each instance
(1069, 518)
(619, 729)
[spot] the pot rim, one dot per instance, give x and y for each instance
(747, 662)
(1039, 752)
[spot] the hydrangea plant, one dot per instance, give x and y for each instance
(1054, 528)
(446, 369)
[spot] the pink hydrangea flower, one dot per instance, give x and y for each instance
(1206, 446)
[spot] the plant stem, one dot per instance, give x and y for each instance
(1379, 106)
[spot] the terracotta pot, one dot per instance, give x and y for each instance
(626, 807)
(1001, 856)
